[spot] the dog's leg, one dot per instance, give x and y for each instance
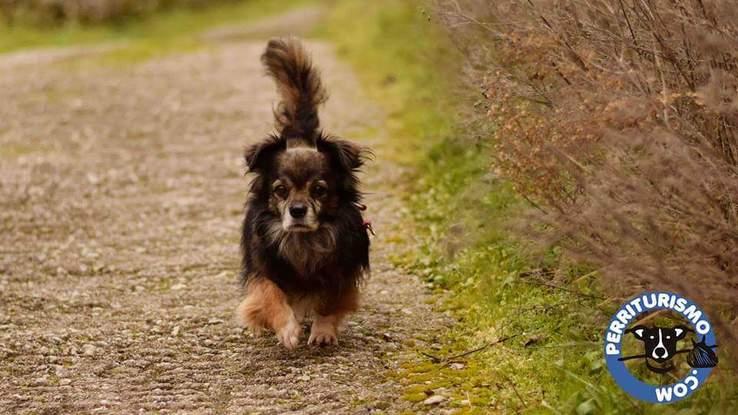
(266, 306)
(329, 316)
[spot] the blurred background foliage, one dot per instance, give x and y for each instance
(57, 12)
(154, 24)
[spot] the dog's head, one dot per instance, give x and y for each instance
(304, 185)
(660, 343)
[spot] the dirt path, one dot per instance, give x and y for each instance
(121, 194)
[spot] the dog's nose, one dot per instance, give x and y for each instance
(660, 353)
(298, 211)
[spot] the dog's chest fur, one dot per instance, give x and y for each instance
(307, 252)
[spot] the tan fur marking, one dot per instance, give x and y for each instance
(266, 307)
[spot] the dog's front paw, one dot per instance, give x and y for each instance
(289, 334)
(323, 335)
(323, 339)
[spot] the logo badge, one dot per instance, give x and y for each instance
(685, 349)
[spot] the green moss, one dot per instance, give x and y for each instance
(414, 396)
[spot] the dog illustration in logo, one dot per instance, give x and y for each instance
(660, 346)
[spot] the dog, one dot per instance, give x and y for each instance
(304, 243)
(660, 345)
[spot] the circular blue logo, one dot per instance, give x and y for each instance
(660, 346)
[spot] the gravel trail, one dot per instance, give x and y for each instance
(121, 195)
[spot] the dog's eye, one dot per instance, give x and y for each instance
(319, 190)
(281, 191)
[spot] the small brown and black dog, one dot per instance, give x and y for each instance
(305, 245)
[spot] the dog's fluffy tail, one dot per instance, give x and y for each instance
(299, 87)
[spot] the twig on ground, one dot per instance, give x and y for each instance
(450, 359)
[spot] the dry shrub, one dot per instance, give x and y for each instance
(618, 118)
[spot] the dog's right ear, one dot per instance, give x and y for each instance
(260, 155)
(638, 332)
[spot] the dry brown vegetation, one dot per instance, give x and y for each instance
(85, 11)
(618, 119)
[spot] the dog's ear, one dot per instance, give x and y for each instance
(348, 155)
(352, 156)
(258, 156)
(638, 332)
(680, 331)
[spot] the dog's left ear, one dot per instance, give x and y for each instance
(353, 156)
(680, 331)
(348, 155)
